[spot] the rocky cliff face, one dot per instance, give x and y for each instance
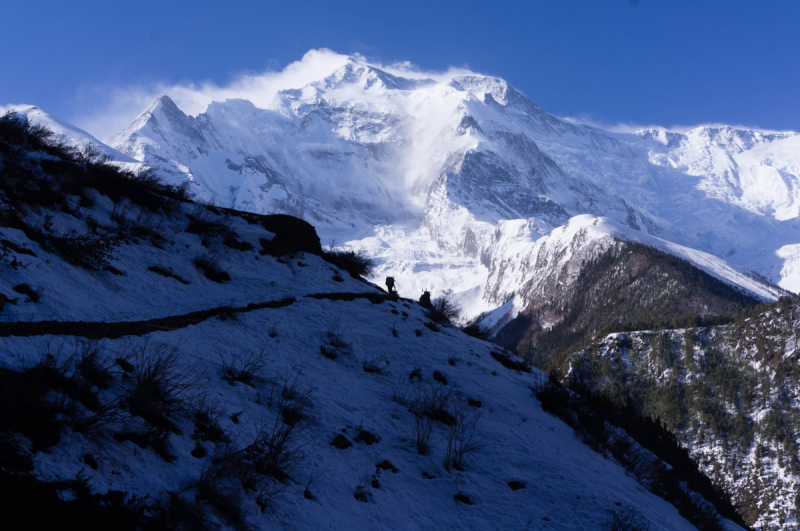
(729, 392)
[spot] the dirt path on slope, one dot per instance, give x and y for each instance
(102, 330)
(115, 330)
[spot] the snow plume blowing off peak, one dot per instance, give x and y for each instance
(434, 173)
(120, 105)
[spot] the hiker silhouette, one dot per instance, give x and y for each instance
(425, 300)
(390, 285)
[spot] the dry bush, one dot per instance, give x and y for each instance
(374, 364)
(362, 492)
(247, 367)
(144, 225)
(433, 402)
(625, 519)
(105, 414)
(599, 435)
(400, 391)
(334, 335)
(161, 386)
(508, 361)
(89, 251)
(356, 263)
(90, 365)
(74, 376)
(276, 451)
(334, 344)
(273, 456)
(295, 405)
(208, 415)
(218, 484)
(462, 437)
(205, 223)
(444, 310)
(210, 264)
(421, 432)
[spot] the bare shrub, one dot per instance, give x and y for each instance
(625, 519)
(639, 463)
(273, 456)
(599, 438)
(89, 251)
(509, 362)
(295, 405)
(421, 433)
(362, 492)
(208, 416)
(210, 264)
(334, 344)
(247, 367)
(59, 372)
(93, 372)
(89, 363)
(356, 263)
(374, 364)
(444, 310)
(202, 221)
(218, 483)
(276, 452)
(119, 214)
(149, 226)
(90, 153)
(161, 387)
(105, 414)
(462, 437)
(311, 479)
(433, 402)
(334, 335)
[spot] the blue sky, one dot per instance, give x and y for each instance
(663, 62)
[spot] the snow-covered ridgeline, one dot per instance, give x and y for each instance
(525, 265)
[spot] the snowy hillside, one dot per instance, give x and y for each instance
(184, 365)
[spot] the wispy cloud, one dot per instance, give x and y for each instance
(631, 127)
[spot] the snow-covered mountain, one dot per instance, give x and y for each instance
(426, 174)
(375, 153)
